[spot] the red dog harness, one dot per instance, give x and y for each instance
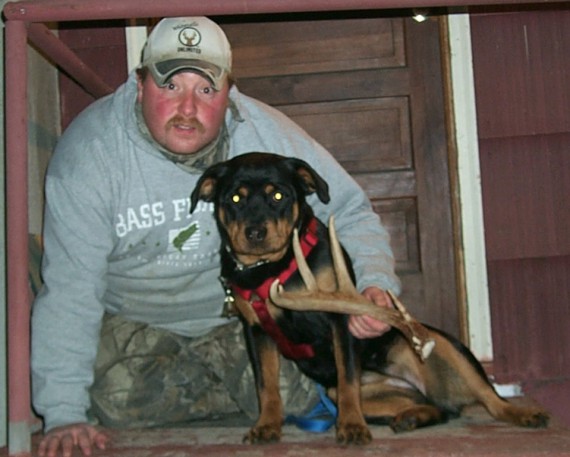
(287, 347)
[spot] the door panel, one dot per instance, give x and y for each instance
(298, 47)
(376, 138)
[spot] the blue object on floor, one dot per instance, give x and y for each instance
(320, 418)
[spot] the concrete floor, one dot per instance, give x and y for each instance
(474, 434)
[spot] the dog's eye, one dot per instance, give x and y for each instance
(277, 196)
(236, 198)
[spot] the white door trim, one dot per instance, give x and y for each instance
(469, 176)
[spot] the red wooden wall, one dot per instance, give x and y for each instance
(102, 44)
(522, 83)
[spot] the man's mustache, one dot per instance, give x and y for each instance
(182, 121)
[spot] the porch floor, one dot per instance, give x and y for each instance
(474, 434)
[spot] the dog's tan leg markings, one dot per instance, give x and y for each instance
(404, 405)
(381, 399)
(245, 309)
(351, 427)
(449, 379)
(465, 385)
(268, 426)
(347, 299)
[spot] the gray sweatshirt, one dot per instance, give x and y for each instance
(114, 205)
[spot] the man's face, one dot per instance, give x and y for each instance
(186, 114)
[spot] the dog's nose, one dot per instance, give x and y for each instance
(256, 233)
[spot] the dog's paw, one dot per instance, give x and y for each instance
(404, 423)
(416, 417)
(522, 416)
(353, 433)
(533, 418)
(268, 433)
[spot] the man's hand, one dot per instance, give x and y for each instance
(366, 326)
(65, 438)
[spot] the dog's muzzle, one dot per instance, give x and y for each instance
(255, 233)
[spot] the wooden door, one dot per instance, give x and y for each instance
(369, 88)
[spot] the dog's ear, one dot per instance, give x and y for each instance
(310, 179)
(206, 186)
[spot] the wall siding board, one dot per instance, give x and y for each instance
(525, 182)
(104, 48)
(531, 300)
(522, 73)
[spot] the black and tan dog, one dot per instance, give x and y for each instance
(259, 201)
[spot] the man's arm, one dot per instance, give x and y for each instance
(359, 228)
(67, 313)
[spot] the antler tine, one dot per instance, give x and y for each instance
(304, 270)
(400, 307)
(344, 280)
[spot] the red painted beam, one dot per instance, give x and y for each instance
(17, 235)
(75, 10)
(45, 40)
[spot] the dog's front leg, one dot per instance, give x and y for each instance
(265, 360)
(351, 427)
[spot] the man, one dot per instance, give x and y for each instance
(130, 316)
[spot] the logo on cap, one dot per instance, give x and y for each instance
(189, 36)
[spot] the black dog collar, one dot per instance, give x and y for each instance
(240, 266)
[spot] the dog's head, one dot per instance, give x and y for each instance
(259, 198)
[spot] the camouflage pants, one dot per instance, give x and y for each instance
(145, 377)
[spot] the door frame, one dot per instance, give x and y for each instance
(464, 157)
